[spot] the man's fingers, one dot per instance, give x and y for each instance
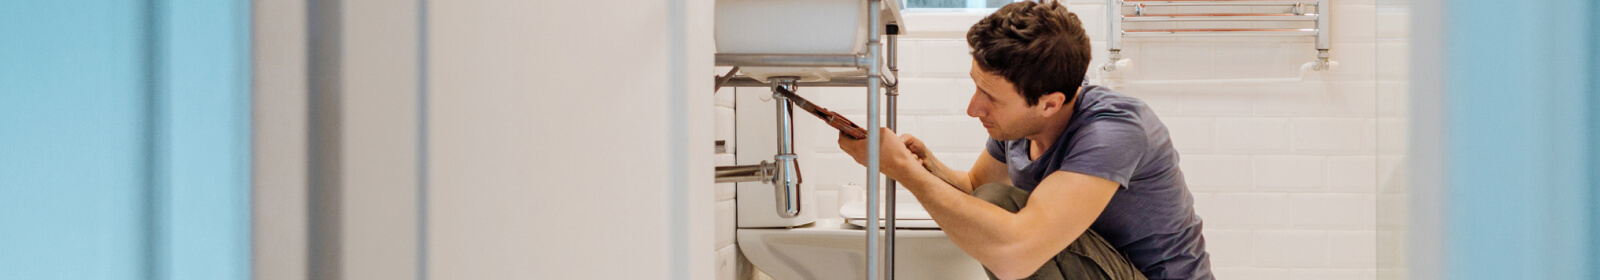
(912, 143)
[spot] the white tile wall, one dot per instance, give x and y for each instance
(1284, 174)
(730, 263)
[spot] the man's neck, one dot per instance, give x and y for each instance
(1040, 142)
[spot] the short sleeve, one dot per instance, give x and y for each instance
(1108, 148)
(997, 149)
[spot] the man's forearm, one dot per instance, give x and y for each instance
(958, 179)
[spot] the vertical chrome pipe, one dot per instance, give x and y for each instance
(1324, 12)
(894, 93)
(874, 140)
(786, 183)
(1113, 33)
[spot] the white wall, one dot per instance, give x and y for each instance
(1394, 118)
(1284, 174)
(730, 263)
(279, 198)
(344, 151)
(569, 140)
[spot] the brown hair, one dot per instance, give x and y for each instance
(1040, 48)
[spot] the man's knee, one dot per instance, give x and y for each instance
(1007, 197)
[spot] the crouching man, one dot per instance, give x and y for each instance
(1080, 182)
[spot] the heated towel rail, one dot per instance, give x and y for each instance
(1195, 13)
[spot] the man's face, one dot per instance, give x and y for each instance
(1003, 111)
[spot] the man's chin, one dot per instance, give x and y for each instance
(997, 135)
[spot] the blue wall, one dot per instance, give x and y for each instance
(1521, 126)
(124, 140)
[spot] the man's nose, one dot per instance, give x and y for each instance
(973, 109)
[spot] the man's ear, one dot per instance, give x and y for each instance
(1052, 102)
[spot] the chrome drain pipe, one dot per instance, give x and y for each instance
(786, 183)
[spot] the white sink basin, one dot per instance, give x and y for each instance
(829, 249)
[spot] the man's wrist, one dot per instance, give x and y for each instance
(906, 172)
(939, 170)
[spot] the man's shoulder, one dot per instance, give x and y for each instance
(1103, 99)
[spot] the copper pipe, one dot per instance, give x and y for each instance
(1219, 15)
(1216, 30)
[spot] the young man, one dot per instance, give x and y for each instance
(1080, 182)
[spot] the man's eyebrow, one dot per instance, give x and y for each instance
(984, 92)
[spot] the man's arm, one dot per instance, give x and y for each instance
(986, 170)
(1012, 245)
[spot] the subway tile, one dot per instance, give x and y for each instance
(1393, 209)
(932, 96)
(1166, 103)
(1341, 136)
(1242, 210)
(934, 58)
(1358, 174)
(965, 89)
(1289, 173)
(1393, 99)
(1333, 211)
(1252, 135)
(727, 191)
(1392, 174)
(725, 125)
(961, 161)
(827, 202)
(1391, 246)
(939, 25)
(832, 168)
(1333, 274)
(950, 134)
(1353, 22)
(1175, 61)
(725, 96)
(1394, 64)
(1318, 99)
(1256, 60)
(726, 212)
(1393, 135)
(1393, 273)
(1217, 173)
(1394, 21)
(1357, 61)
(1353, 99)
(1191, 135)
(728, 263)
(1250, 273)
(1292, 100)
(1218, 101)
(1291, 248)
(1353, 249)
(1230, 247)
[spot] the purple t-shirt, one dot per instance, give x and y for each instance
(1151, 217)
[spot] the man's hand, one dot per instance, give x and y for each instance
(932, 164)
(895, 159)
